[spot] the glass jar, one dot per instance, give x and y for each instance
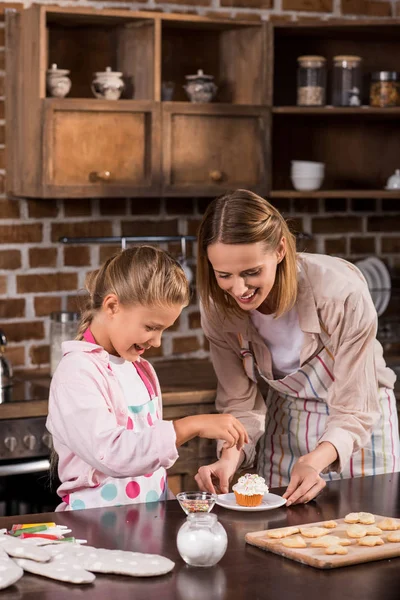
(311, 81)
(385, 89)
(347, 81)
(63, 327)
(202, 540)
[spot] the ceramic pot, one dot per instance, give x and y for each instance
(108, 84)
(200, 87)
(57, 81)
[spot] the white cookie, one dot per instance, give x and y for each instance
(366, 518)
(312, 532)
(352, 518)
(330, 540)
(329, 524)
(278, 534)
(336, 550)
(356, 531)
(294, 542)
(371, 540)
(389, 524)
(394, 536)
(374, 530)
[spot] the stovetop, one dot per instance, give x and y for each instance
(26, 390)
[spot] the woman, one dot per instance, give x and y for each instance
(306, 325)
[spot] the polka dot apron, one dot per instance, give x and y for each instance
(127, 490)
(297, 411)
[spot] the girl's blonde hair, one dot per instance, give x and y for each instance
(242, 217)
(140, 275)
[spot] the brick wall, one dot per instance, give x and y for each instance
(38, 275)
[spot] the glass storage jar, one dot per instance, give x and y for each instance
(347, 81)
(202, 540)
(63, 327)
(311, 81)
(385, 89)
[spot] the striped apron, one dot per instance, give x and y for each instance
(296, 416)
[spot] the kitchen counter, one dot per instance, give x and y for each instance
(183, 382)
(244, 572)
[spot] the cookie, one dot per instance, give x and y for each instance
(278, 534)
(352, 518)
(356, 531)
(366, 518)
(312, 532)
(389, 524)
(394, 536)
(329, 524)
(371, 540)
(374, 530)
(330, 540)
(336, 550)
(294, 542)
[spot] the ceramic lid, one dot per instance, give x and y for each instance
(54, 71)
(108, 71)
(200, 75)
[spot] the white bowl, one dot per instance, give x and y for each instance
(307, 171)
(307, 184)
(307, 163)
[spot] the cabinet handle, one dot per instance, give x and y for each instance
(100, 176)
(216, 175)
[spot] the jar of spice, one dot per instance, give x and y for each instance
(347, 81)
(311, 81)
(63, 327)
(385, 89)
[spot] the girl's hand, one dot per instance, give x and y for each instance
(215, 478)
(223, 427)
(305, 483)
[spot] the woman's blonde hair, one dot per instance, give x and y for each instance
(242, 217)
(140, 275)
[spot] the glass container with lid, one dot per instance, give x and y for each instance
(202, 540)
(311, 81)
(385, 89)
(347, 81)
(63, 327)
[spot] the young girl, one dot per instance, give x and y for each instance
(105, 410)
(306, 325)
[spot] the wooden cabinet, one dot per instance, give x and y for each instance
(211, 148)
(360, 146)
(80, 146)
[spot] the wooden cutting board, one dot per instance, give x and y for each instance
(316, 557)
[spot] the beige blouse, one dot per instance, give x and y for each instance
(333, 292)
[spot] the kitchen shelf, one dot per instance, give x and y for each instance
(336, 194)
(334, 110)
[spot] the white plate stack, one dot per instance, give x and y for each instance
(378, 280)
(307, 176)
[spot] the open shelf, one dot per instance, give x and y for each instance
(336, 194)
(393, 111)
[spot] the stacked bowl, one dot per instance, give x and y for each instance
(307, 176)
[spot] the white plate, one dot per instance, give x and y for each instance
(269, 502)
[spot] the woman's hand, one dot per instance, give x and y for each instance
(215, 478)
(305, 483)
(215, 427)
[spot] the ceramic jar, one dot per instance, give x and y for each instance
(202, 540)
(200, 87)
(57, 81)
(108, 84)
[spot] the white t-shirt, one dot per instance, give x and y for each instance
(129, 379)
(284, 339)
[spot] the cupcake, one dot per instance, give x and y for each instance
(250, 490)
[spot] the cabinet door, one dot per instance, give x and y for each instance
(96, 148)
(210, 148)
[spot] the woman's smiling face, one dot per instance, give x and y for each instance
(245, 271)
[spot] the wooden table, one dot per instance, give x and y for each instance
(244, 572)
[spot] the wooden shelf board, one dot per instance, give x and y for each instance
(336, 194)
(333, 110)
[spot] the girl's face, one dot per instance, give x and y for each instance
(130, 330)
(245, 271)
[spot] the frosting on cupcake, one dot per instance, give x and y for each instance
(250, 484)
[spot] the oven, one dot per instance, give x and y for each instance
(25, 447)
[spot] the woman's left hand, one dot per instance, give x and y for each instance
(305, 483)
